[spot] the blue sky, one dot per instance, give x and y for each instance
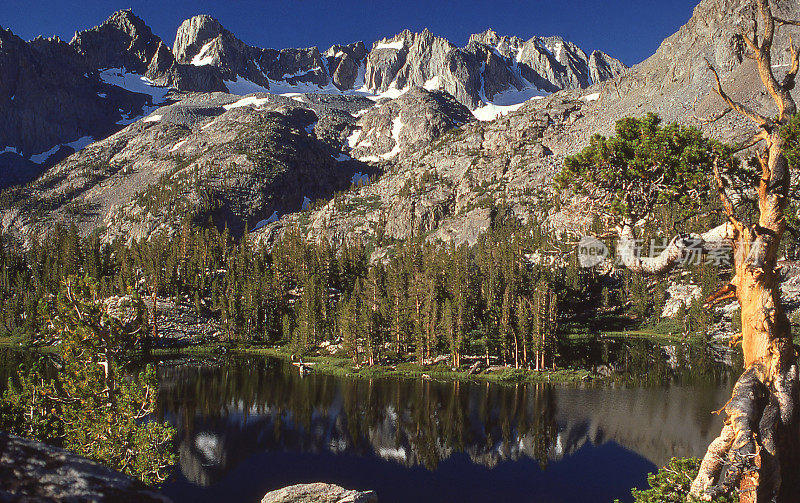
(630, 30)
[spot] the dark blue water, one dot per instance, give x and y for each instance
(250, 425)
(593, 473)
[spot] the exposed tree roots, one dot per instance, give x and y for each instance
(758, 441)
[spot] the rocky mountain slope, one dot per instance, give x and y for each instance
(239, 161)
(452, 188)
(449, 189)
(676, 83)
(443, 173)
(59, 96)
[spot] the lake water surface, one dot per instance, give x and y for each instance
(247, 425)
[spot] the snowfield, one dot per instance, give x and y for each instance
(177, 146)
(300, 73)
(246, 102)
(396, 45)
(397, 126)
(352, 140)
(136, 84)
(40, 158)
(243, 86)
(201, 59)
(272, 218)
(75, 145)
(505, 102)
(432, 84)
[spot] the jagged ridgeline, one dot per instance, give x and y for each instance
(160, 138)
(111, 75)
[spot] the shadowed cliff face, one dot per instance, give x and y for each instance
(230, 410)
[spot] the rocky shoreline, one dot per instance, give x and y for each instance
(34, 471)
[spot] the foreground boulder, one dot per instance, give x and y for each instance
(319, 492)
(33, 471)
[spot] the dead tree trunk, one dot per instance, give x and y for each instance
(758, 447)
(758, 450)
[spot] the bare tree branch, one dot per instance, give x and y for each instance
(760, 136)
(788, 80)
(726, 292)
(783, 22)
(752, 40)
(742, 109)
(779, 94)
(726, 201)
(712, 119)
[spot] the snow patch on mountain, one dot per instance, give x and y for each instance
(505, 102)
(301, 73)
(44, 156)
(395, 44)
(203, 59)
(242, 86)
(555, 49)
(433, 83)
(134, 83)
(397, 126)
(80, 143)
(253, 101)
(392, 92)
(177, 146)
(352, 140)
(490, 111)
(139, 84)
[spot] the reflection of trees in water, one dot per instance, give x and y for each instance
(230, 409)
(648, 363)
(226, 412)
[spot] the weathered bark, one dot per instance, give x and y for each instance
(758, 451)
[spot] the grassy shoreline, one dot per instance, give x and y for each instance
(343, 367)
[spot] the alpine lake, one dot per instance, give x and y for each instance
(249, 424)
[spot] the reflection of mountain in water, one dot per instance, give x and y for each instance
(656, 423)
(229, 410)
